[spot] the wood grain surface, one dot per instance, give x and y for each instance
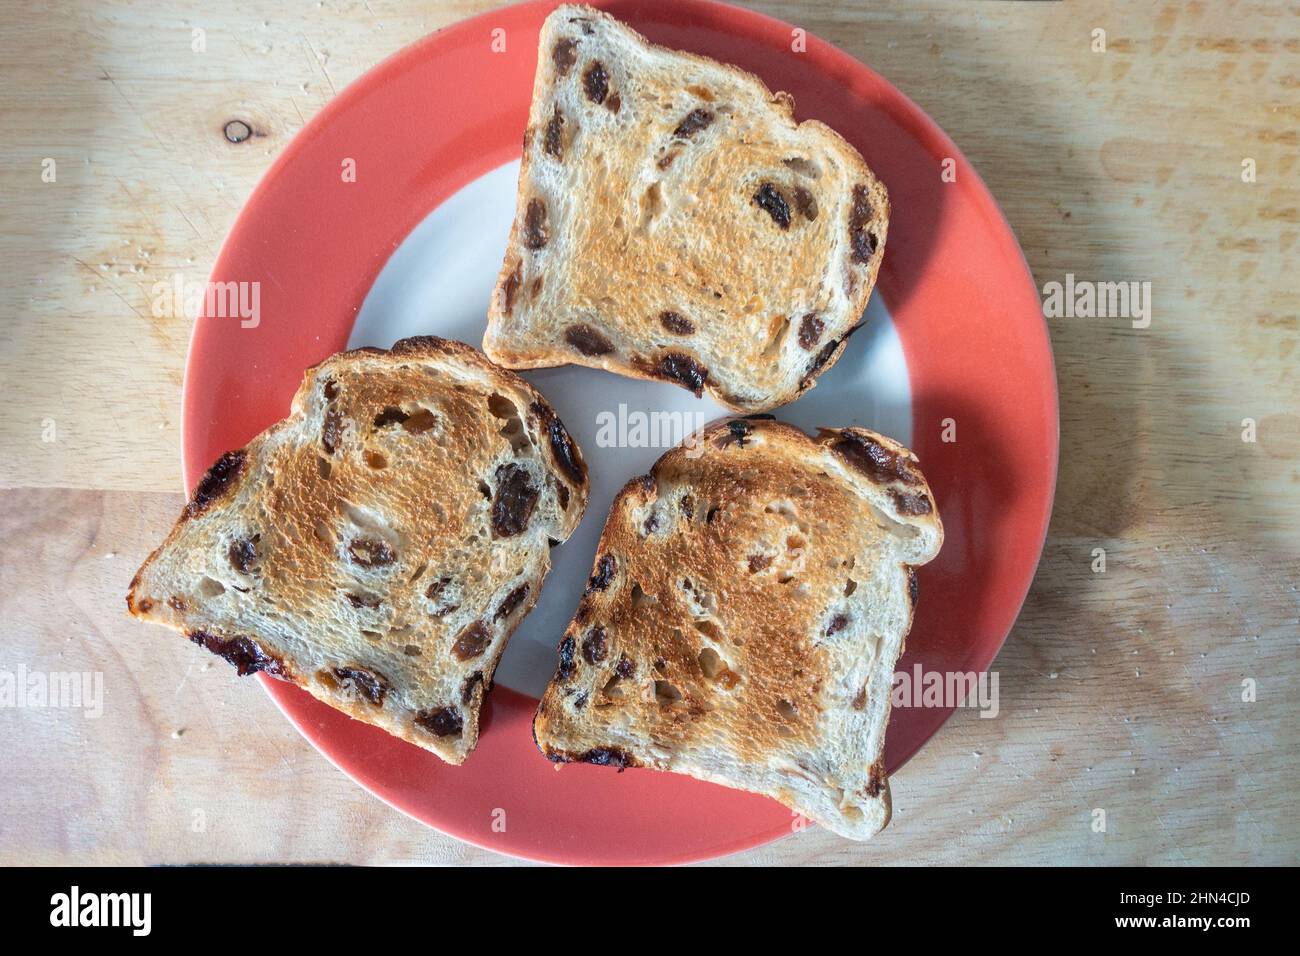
(1121, 691)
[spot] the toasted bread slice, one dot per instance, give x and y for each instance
(379, 545)
(674, 222)
(749, 600)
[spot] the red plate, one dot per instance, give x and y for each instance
(446, 110)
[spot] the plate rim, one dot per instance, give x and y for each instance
(918, 122)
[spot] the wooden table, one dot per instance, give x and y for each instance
(1121, 691)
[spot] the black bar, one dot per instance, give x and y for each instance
(362, 906)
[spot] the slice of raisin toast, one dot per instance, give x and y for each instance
(379, 545)
(749, 600)
(674, 222)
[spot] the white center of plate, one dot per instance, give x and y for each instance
(439, 282)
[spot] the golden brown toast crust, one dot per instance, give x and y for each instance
(675, 223)
(746, 606)
(378, 546)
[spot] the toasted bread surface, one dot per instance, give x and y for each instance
(379, 545)
(747, 605)
(675, 222)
